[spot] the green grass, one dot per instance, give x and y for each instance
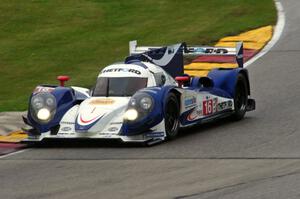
(40, 39)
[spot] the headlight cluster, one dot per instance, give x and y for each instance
(139, 106)
(43, 107)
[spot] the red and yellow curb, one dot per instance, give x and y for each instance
(6, 148)
(254, 41)
(12, 142)
(13, 137)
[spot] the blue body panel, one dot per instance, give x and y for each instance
(159, 94)
(65, 100)
(225, 79)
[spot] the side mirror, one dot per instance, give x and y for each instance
(181, 80)
(206, 82)
(62, 79)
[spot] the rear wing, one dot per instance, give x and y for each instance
(189, 51)
(217, 51)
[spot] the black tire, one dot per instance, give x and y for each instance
(171, 116)
(240, 98)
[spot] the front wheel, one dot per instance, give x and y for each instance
(171, 116)
(240, 98)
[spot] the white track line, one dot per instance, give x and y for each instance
(277, 33)
(13, 153)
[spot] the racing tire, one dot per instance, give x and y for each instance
(240, 98)
(171, 116)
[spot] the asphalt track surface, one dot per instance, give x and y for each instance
(258, 157)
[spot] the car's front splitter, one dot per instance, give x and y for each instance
(151, 137)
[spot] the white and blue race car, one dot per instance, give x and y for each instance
(147, 98)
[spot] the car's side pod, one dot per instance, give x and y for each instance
(65, 99)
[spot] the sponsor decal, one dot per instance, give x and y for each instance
(88, 121)
(105, 135)
(194, 115)
(224, 105)
(62, 122)
(210, 106)
(128, 70)
(40, 89)
(113, 129)
(190, 101)
(155, 134)
(104, 101)
(66, 128)
(216, 51)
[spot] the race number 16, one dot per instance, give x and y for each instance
(208, 107)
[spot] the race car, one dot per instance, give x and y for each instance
(146, 98)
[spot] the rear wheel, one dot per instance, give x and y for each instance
(171, 116)
(240, 98)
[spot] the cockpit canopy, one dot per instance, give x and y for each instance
(118, 86)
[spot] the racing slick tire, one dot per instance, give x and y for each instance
(240, 98)
(171, 116)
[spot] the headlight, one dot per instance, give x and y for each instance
(43, 107)
(139, 106)
(146, 103)
(37, 102)
(132, 102)
(131, 114)
(50, 101)
(43, 114)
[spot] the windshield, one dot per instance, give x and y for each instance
(119, 86)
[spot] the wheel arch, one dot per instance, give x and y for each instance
(225, 79)
(246, 75)
(65, 99)
(177, 94)
(159, 95)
